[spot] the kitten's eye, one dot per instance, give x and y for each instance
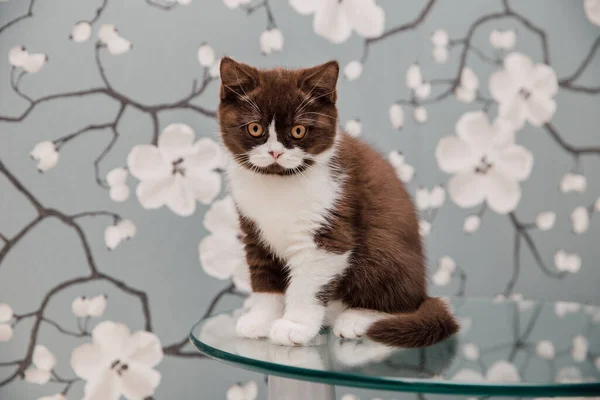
(298, 131)
(255, 129)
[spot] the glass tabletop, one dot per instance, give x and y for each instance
(504, 348)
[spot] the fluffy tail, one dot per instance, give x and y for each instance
(430, 324)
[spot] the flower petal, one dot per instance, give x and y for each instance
(43, 358)
(176, 141)
(305, 6)
(139, 381)
(502, 87)
(6, 333)
(146, 162)
(207, 156)
(515, 161)
(111, 337)
(97, 305)
(6, 312)
(205, 186)
(503, 371)
(468, 189)
(221, 255)
(180, 197)
(475, 129)
(540, 108)
(365, 16)
(514, 110)
(222, 217)
(520, 68)
(544, 80)
(454, 155)
(37, 376)
(331, 23)
(103, 387)
(88, 361)
(144, 348)
(153, 194)
(503, 192)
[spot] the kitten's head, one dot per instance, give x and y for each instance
(278, 121)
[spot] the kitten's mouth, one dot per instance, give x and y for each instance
(275, 168)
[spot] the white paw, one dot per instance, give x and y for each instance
(354, 323)
(290, 333)
(254, 325)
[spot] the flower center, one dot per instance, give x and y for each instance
(525, 93)
(484, 166)
(178, 167)
(119, 367)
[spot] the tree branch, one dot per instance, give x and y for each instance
(28, 14)
(567, 82)
(566, 146)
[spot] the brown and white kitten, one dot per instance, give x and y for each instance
(331, 235)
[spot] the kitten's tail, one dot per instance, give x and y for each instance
(430, 324)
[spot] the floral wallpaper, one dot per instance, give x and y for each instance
(116, 231)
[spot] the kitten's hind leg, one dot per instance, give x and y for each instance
(353, 323)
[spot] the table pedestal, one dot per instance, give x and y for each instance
(290, 389)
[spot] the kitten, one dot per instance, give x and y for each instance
(331, 235)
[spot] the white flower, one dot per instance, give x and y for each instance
(440, 54)
(206, 55)
(89, 306)
(45, 154)
(592, 10)
(567, 262)
(503, 371)
(334, 19)
(404, 171)
(109, 35)
(487, 163)
(545, 220)
(580, 348)
(178, 172)
(271, 41)
(524, 91)
(471, 351)
(545, 350)
(468, 375)
(243, 391)
(437, 196)
(118, 363)
(424, 228)
(353, 70)
(43, 361)
(499, 298)
(81, 32)
(349, 396)
(215, 70)
(17, 56)
(472, 223)
(58, 396)
(420, 114)
(580, 220)
(422, 199)
(236, 3)
(439, 37)
(353, 127)
(34, 62)
(222, 252)
(573, 183)
(447, 264)
(503, 40)
(115, 234)
(116, 178)
(6, 315)
(465, 95)
(597, 205)
(562, 308)
(423, 91)
(396, 114)
(441, 277)
(414, 77)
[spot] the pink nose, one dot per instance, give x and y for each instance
(275, 154)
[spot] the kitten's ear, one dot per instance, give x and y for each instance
(237, 78)
(321, 80)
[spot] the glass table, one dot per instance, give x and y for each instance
(505, 348)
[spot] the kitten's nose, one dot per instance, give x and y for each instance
(275, 153)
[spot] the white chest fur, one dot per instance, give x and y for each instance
(287, 209)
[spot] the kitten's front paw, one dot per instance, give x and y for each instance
(253, 325)
(290, 333)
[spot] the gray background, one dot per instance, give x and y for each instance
(162, 259)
